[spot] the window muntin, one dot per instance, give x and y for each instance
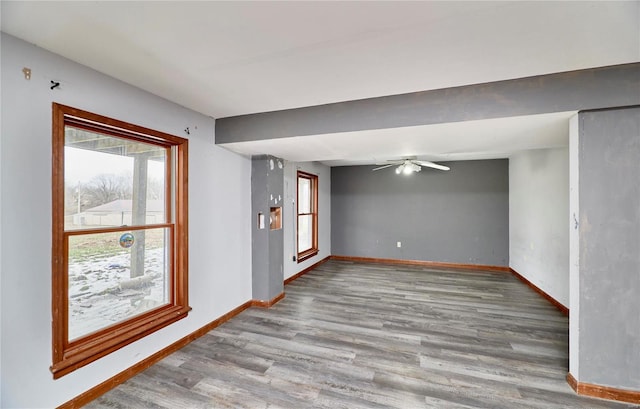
(119, 235)
(307, 215)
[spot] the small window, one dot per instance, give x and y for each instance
(119, 235)
(307, 215)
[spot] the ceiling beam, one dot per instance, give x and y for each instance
(603, 87)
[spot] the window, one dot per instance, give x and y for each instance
(307, 215)
(119, 257)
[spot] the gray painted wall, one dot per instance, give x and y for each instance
(574, 249)
(569, 91)
(460, 216)
(267, 180)
(609, 259)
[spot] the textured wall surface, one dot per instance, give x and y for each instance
(609, 274)
(459, 216)
(267, 176)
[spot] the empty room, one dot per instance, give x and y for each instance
(388, 204)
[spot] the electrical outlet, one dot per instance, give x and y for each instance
(399, 244)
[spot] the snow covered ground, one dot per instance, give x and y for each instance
(102, 293)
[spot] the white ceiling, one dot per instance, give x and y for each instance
(231, 58)
(486, 139)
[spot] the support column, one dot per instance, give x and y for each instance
(267, 194)
(139, 212)
(605, 279)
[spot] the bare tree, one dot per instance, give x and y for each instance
(105, 188)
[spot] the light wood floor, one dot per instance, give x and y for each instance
(374, 336)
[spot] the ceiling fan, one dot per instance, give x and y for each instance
(410, 165)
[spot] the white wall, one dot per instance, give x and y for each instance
(324, 215)
(538, 219)
(219, 230)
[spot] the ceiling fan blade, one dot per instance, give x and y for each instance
(382, 167)
(432, 165)
(391, 162)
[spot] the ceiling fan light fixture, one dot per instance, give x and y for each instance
(408, 166)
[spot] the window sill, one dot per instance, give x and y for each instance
(93, 347)
(307, 255)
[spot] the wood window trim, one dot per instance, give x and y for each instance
(71, 355)
(306, 254)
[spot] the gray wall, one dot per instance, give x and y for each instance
(609, 254)
(267, 179)
(460, 216)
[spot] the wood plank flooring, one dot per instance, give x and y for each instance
(351, 335)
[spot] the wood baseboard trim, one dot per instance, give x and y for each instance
(306, 270)
(130, 372)
(535, 288)
(436, 264)
(269, 303)
(573, 382)
(603, 392)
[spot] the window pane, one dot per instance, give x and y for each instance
(304, 195)
(112, 181)
(116, 276)
(304, 233)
